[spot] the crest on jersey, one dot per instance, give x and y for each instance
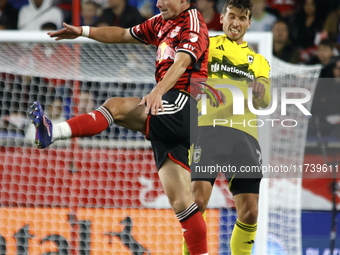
(197, 155)
(193, 37)
(164, 52)
(259, 156)
(250, 59)
(175, 32)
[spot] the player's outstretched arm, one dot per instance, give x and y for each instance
(101, 34)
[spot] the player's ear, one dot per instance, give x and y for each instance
(221, 18)
(249, 23)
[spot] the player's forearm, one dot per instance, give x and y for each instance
(264, 102)
(111, 35)
(175, 72)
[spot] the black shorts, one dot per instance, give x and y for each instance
(231, 152)
(171, 132)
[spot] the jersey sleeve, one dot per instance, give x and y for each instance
(194, 36)
(146, 32)
(263, 77)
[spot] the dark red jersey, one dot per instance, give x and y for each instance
(187, 33)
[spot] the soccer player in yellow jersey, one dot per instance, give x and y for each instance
(227, 138)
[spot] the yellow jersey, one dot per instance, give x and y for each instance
(236, 65)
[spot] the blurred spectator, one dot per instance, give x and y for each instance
(66, 8)
(48, 26)
(326, 105)
(89, 13)
(102, 23)
(331, 5)
(13, 125)
(332, 26)
(101, 3)
(147, 8)
(282, 46)
(210, 15)
(304, 26)
(8, 15)
(261, 19)
(86, 102)
(325, 55)
(284, 7)
(121, 14)
(37, 13)
(17, 4)
(50, 59)
(54, 110)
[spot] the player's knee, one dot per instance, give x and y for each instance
(181, 201)
(249, 216)
(178, 205)
(115, 106)
(201, 203)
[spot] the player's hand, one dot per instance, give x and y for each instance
(152, 102)
(68, 32)
(258, 89)
(218, 98)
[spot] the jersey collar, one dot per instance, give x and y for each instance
(243, 44)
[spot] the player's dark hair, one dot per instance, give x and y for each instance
(243, 5)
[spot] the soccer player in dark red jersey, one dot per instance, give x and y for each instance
(181, 38)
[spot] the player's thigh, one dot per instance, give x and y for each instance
(201, 190)
(247, 207)
(210, 154)
(127, 113)
(176, 123)
(246, 160)
(176, 184)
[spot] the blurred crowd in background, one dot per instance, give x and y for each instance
(299, 26)
(305, 32)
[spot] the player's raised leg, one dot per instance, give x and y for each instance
(123, 111)
(175, 181)
(43, 125)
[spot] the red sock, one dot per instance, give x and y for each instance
(91, 123)
(194, 230)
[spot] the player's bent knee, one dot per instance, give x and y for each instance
(118, 106)
(202, 205)
(180, 203)
(249, 216)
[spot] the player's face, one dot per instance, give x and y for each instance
(235, 23)
(170, 9)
